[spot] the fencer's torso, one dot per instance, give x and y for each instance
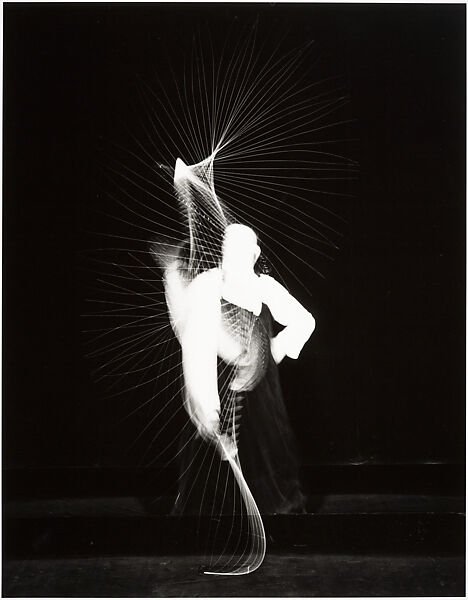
(241, 304)
(236, 304)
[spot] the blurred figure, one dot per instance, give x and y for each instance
(221, 307)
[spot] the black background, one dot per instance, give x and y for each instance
(383, 377)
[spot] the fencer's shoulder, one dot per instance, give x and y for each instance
(270, 284)
(267, 279)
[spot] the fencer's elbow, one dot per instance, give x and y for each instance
(309, 324)
(295, 337)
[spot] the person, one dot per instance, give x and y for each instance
(223, 321)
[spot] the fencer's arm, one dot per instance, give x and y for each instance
(286, 310)
(199, 340)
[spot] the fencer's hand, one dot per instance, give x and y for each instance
(277, 350)
(209, 430)
(227, 447)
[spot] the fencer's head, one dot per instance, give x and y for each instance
(240, 247)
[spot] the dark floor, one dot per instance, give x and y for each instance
(281, 575)
(329, 504)
(392, 532)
